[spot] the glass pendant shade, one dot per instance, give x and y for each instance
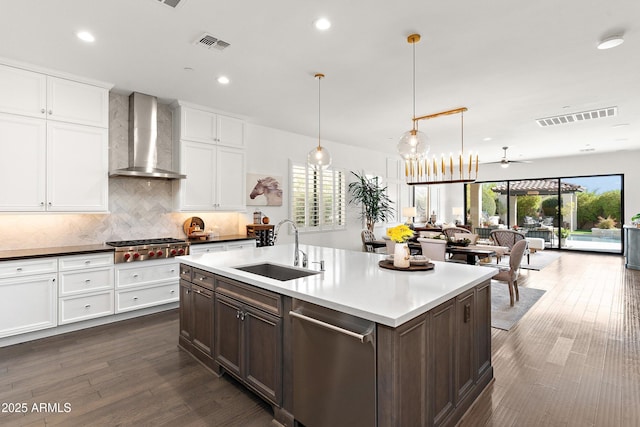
(413, 145)
(319, 157)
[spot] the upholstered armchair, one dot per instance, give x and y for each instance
(511, 275)
(451, 232)
(508, 239)
(434, 249)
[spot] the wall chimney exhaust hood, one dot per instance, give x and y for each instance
(143, 140)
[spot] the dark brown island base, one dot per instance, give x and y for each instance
(319, 363)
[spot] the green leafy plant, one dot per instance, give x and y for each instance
(564, 233)
(636, 217)
(372, 197)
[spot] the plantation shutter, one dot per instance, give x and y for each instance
(318, 198)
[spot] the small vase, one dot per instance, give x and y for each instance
(401, 255)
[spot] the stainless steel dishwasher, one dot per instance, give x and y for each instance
(334, 367)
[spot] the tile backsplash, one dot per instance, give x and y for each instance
(138, 208)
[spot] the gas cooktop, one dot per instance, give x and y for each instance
(148, 249)
(144, 242)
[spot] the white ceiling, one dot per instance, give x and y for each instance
(508, 62)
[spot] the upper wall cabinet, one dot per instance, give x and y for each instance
(209, 150)
(54, 143)
(33, 94)
(200, 125)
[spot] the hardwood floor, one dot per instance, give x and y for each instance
(573, 360)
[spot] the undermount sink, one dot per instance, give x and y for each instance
(275, 271)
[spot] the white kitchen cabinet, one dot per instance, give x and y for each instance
(195, 124)
(209, 150)
(23, 162)
(54, 144)
(215, 178)
(77, 168)
(50, 166)
(146, 284)
(86, 287)
(203, 248)
(230, 179)
(28, 296)
(34, 94)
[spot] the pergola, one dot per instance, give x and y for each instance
(541, 187)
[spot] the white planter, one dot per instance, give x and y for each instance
(401, 255)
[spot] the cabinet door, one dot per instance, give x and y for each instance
(74, 102)
(230, 179)
(198, 125)
(230, 132)
(186, 310)
(263, 359)
(465, 358)
(202, 319)
(482, 318)
(442, 361)
(197, 191)
(28, 304)
(22, 163)
(77, 172)
(227, 326)
(22, 92)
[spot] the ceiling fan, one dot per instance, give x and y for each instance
(504, 162)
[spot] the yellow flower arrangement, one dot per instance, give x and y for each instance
(400, 233)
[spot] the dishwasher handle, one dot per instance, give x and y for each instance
(363, 338)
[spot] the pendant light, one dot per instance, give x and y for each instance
(413, 144)
(319, 157)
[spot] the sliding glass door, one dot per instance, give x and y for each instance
(592, 219)
(573, 213)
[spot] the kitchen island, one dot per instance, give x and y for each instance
(425, 342)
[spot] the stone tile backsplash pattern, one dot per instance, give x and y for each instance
(139, 208)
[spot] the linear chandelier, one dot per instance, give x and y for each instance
(425, 171)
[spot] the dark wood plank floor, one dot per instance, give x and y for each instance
(573, 360)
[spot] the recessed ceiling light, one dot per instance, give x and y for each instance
(610, 42)
(322, 24)
(86, 36)
(188, 69)
(620, 125)
(223, 80)
(488, 138)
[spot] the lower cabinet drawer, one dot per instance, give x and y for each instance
(134, 299)
(83, 281)
(146, 273)
(76, 309)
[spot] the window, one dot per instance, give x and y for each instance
(318, 198)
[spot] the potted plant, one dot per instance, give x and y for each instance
(563, 233)
(636, 219)
(372, 197)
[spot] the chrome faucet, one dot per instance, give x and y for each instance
(296, 256)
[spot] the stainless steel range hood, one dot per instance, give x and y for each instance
(143, 140)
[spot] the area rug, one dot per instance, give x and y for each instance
(503, 316)
(538, 260)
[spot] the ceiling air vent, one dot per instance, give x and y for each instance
(578, 117)
(172, 3)
(210, 42)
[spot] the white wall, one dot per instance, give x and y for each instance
(269, 151)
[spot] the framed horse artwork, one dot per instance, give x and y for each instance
(264, 190)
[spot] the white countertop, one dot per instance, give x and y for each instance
(352, 282)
